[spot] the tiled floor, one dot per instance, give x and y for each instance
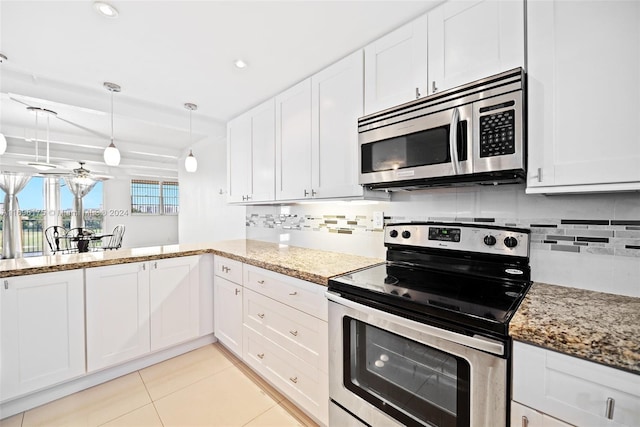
(206, 387)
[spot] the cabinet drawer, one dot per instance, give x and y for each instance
(304, 296)
(299, 381)
(228, 269)
(303, 335)
(572, 389)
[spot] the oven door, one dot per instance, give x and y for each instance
(430, 146)
(388, 370)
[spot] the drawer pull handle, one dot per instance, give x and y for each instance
(226, 269)
(6, 284)
(293, 293)
(261, 282)
(294, 380)
(237, 291)
(525, 421)
(294, 333)
(260, 355)
(611, 403)
(261, 315)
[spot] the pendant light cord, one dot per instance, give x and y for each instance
(111, 116)
(37, 157)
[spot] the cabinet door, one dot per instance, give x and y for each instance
(206, 271)
(117, 299)
(396, 67)
(470, 40)
(337, 103)
(263, 152)
(239, 158)
(523, 416)
(227, 310)
(173, 300)
(584, 95)
(42, 331)
(293, 142)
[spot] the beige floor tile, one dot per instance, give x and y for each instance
(228, 398)
(173, 374)
(143, 417)
(15, 421)
(93, 406)
(274, 417)
(297, 413)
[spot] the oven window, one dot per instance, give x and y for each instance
(424, 148)
(415, 384)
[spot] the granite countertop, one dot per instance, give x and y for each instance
(596, 326)
(307, 264)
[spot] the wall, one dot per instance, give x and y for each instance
(140, 230)
(586, 241)
(204, 213)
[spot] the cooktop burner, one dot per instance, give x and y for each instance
(451, 275)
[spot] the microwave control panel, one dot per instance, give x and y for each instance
(497, 134)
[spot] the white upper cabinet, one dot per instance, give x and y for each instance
(337, 103)
(41, 331)
(470, 40)
(396, 67)
(293, 142)
(251, 158)
(584, 96)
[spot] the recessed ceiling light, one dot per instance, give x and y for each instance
(105, 9)
(240, 64)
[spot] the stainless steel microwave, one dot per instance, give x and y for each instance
(473, 133)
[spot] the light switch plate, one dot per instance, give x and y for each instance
(378, 220)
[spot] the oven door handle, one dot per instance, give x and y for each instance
(453, 140)
(476, 341)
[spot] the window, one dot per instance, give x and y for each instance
(154, 197)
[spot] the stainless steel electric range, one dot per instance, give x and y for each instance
(422, 340)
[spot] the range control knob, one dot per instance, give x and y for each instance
(489, 240)
(510, 242)
(393, 233)
(406, 234)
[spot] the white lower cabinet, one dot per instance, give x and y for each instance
(117, 299)
(42, 331)
(574, 390)
(523, 416)
(286, 337)
(227, 305)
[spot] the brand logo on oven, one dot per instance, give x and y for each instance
(513, 271)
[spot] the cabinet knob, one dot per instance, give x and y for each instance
(261, 315)
(260, 355)
(293, 380)
(611, 403)
(294, 333)
(525, 421)
(434, 88)
(237, 291)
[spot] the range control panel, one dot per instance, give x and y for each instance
(460, 237)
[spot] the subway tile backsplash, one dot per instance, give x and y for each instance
(583, 236)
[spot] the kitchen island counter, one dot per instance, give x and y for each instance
(307, 264)
(596, 326)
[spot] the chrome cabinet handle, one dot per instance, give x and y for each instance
(155, 265)
(313, 192)
(293, 293)
(294, 333)
(539, 174)
(453, 140)
(237, 291)
(525, 421)
(225, 269)
(434, 88)
(260, 355)
(417, 93)
(6, 284)
(261, 282)
(293, 380)
(306, 193)
(261, 315)
(144, 266)
(611, 403)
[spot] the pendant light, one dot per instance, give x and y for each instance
(42, 166)
(111, 153)
(190, 163)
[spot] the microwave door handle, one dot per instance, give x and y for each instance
(453, 140)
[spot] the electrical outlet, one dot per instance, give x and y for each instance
(378, 220)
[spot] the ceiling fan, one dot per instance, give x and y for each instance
(77, 173)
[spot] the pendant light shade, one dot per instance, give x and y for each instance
(111, 153)
(190, 163)
(3, 144)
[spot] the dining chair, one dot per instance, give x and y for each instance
(56, 239)
(115, 238)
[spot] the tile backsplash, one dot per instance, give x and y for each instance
(587, 241)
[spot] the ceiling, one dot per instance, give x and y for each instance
(163, 54)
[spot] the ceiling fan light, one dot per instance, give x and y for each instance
(42, 166)
(191, 163)
(112, 155)
(3, 144)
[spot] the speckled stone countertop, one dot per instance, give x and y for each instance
(307, 264)
(595, 326)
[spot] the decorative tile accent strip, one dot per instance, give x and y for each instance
(585, 237)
